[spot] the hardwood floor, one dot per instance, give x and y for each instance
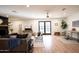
(53, 45)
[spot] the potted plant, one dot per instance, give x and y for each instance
(64, 26)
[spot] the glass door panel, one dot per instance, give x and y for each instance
(42, 27)
(47, 27)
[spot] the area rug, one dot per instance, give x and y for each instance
(62, 39)
(38, 42)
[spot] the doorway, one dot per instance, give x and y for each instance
(45, 27)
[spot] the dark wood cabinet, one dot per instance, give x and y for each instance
(57, 33)
(4, 26)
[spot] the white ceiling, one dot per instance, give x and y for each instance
(38, 11)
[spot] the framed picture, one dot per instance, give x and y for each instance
(75, 23)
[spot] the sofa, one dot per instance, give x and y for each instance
(14, 44)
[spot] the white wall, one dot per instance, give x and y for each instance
(18, 24)
(74, 17)
(55, 24)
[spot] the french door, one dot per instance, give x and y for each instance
(45, 27)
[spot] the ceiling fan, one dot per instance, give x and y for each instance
(47, 14)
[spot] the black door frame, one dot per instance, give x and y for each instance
(44, 27)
